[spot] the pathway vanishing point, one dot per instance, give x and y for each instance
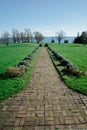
(45, 104)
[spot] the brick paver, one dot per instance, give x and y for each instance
(45, 104)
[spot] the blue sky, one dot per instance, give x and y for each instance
(46, 16)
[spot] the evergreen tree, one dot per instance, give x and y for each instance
(82, 39)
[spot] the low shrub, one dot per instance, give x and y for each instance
(73, 69)
(27, 58)
(40, 45)
(59, 58)
(15, 71)
(46, 45)
(23, 63)
(64, 62)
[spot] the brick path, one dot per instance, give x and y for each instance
(45, 104)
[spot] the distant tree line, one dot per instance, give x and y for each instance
(81, 39)
(25, 36)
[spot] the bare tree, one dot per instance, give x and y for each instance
(22, 37)
(28, 35)
(60, 36)
(18, 36)
(6, 38)
(1, 40)
(15, 36)
(38, 37)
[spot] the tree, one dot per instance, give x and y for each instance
(1, 40)
(22, 37)
(82, 39)
(38, 37)
(15, 36)
(28, 35)
(6, 38)
(65, 41)
(52, 40)
(60, 36)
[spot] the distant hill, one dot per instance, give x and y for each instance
(69, 38)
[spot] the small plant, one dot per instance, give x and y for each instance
(46, 45)
(73, 69)
(23, 63)
(52, 41)
(40, 45)
(66, 41)
(15, 71)
(64, 62)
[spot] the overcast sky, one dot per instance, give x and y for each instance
(46, 16)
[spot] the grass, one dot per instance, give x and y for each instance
(76, 54)
(12, 55)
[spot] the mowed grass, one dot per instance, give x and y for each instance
(10, 56)
(76, 54)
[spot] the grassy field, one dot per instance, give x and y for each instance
(10, 56)
(76, 54)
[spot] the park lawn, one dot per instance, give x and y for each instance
(76, 54)
(10, 56)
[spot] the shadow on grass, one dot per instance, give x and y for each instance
(75, 45)
(64, 72)
(3, 76)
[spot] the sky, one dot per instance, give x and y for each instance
(45, 16)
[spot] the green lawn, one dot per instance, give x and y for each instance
(76, 54)
(10, 56)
